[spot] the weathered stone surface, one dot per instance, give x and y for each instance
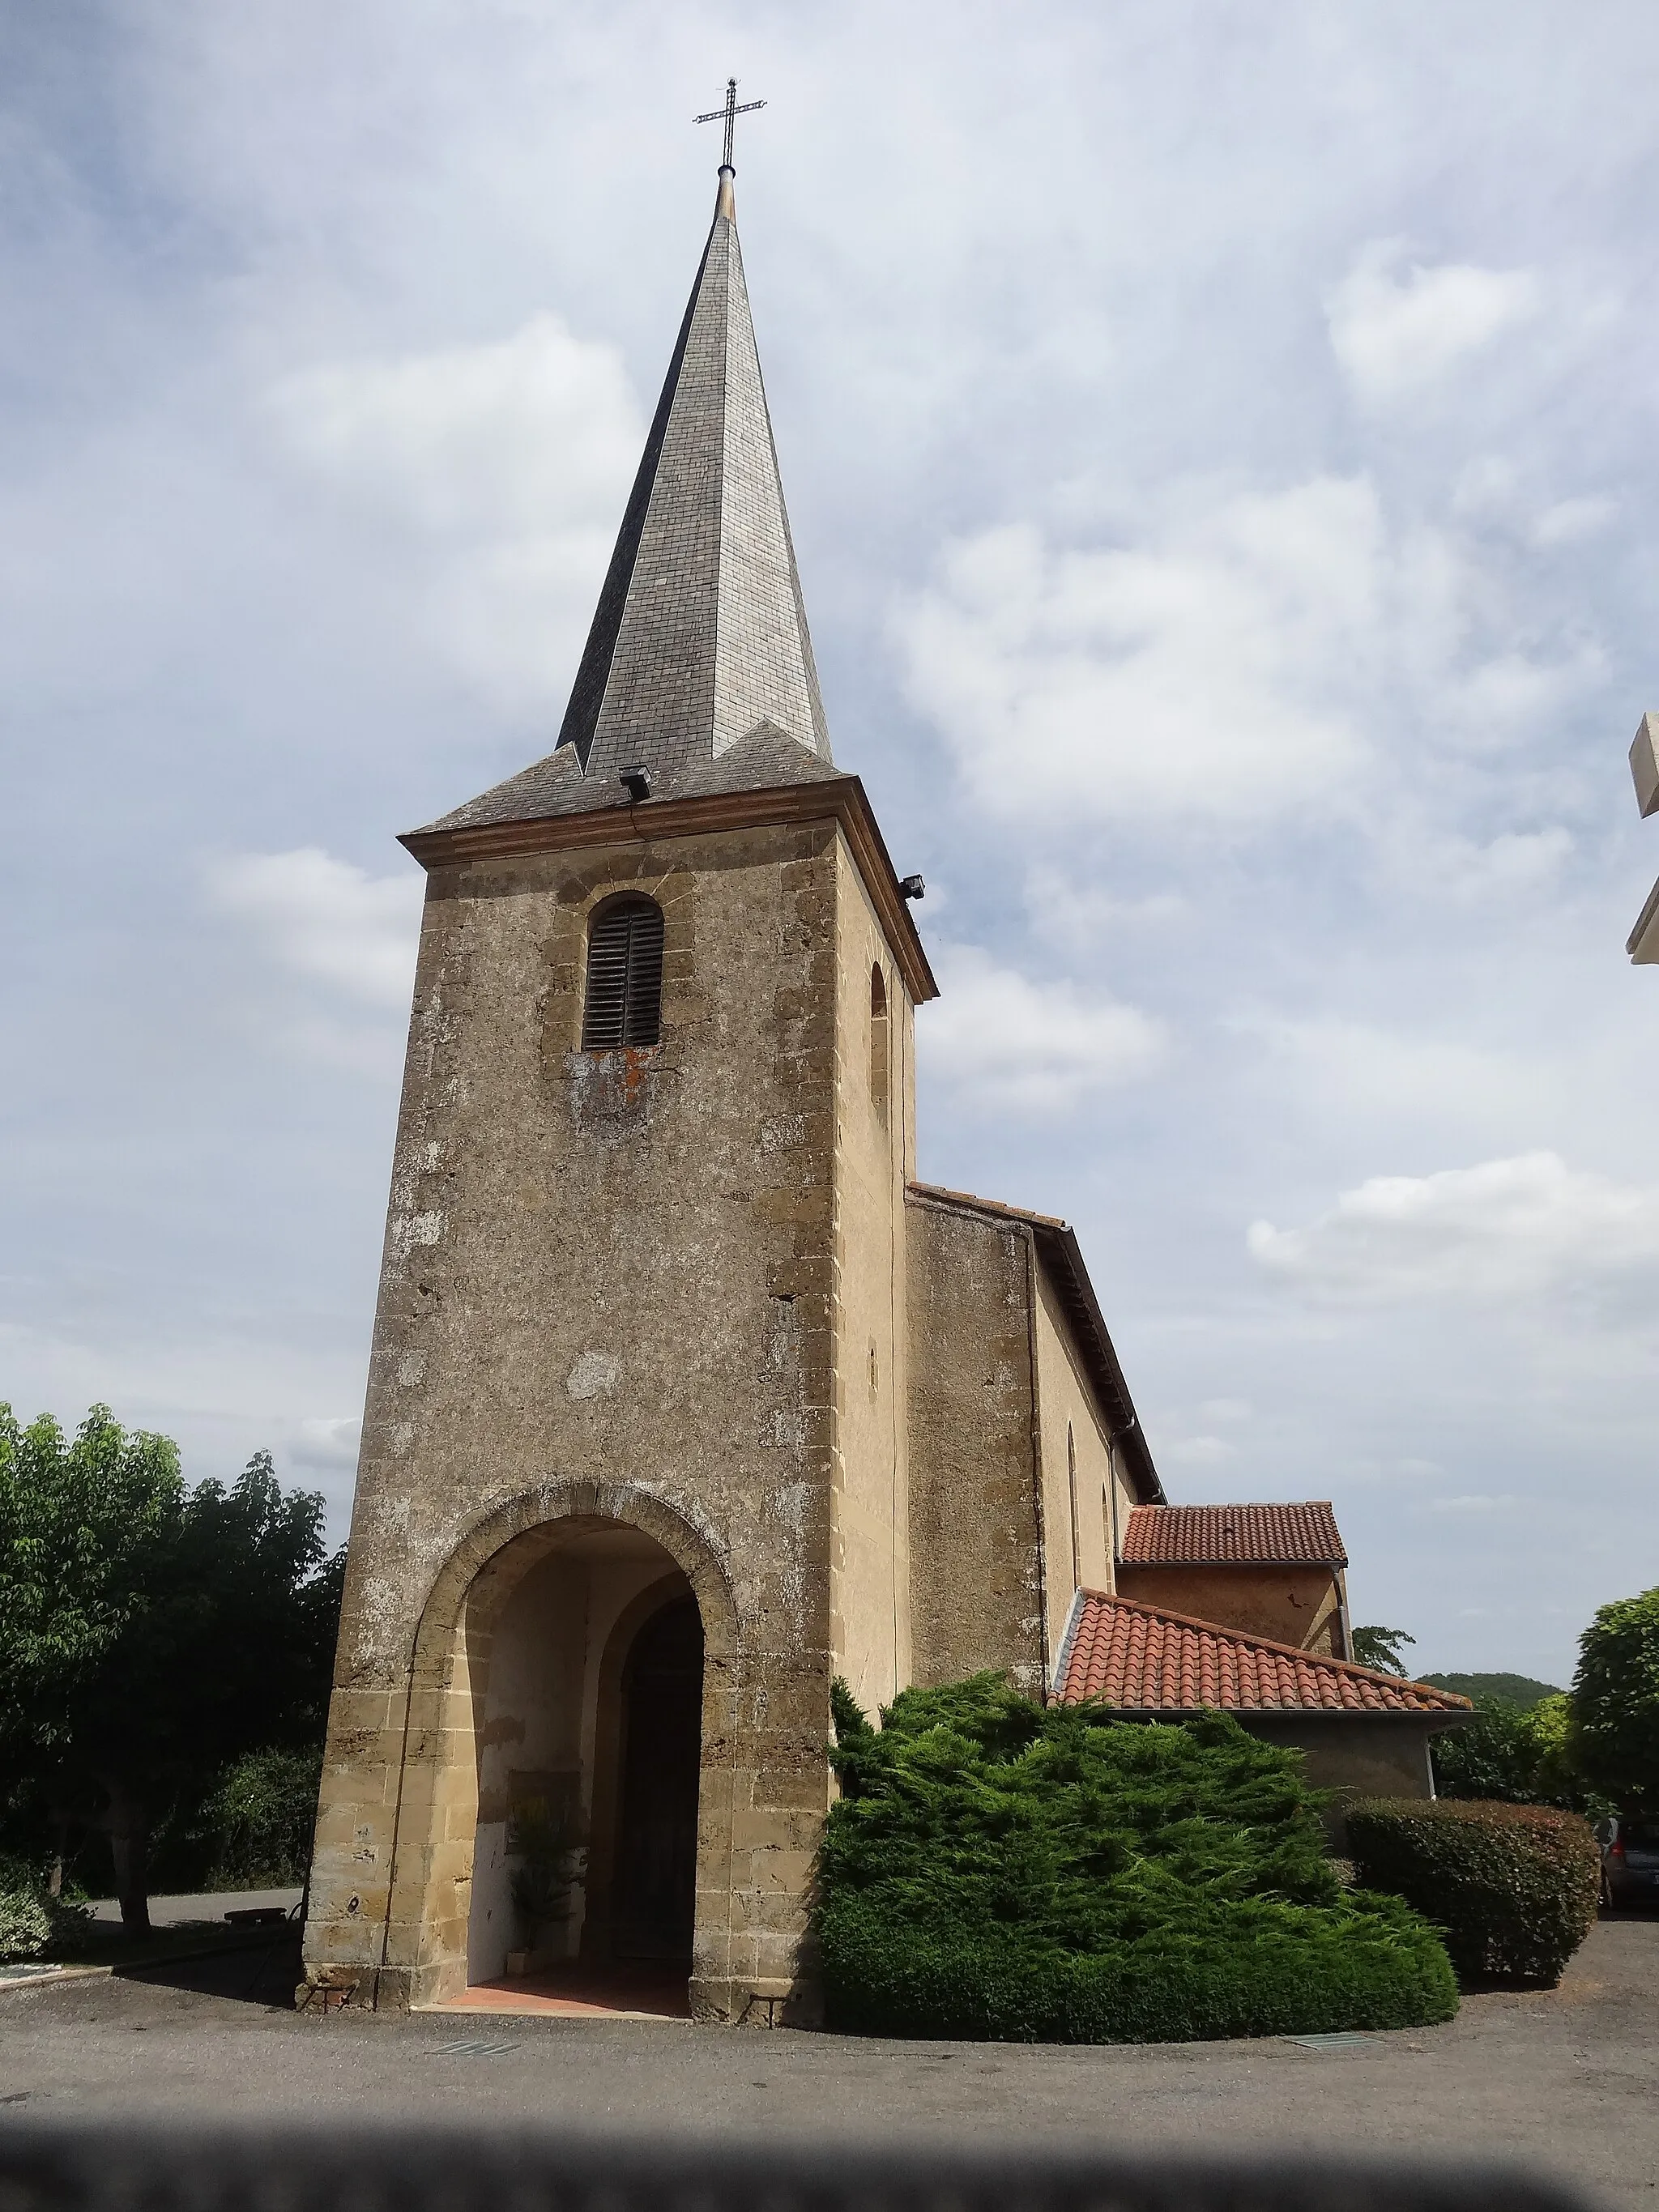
(584, 1323)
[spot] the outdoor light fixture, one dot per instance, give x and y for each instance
(912, 887)
(637, 781)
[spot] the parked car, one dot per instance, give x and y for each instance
(1630, 1861)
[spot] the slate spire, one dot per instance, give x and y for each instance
(701, 633)
(698, 665)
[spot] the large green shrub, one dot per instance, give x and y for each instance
(995, 1870)
(1513, 1888)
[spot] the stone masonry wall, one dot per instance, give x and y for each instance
(870, 1556)
(1290, 1605)
(976, 1530)
(1077, 1481)
(608, 1288)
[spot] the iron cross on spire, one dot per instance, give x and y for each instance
(729, 115)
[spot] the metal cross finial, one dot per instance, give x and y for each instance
(728, 115)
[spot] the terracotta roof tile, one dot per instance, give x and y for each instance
(1234, 1535)
(1145, 1660)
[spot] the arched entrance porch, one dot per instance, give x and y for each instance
(585, 1647)
(591, 1545)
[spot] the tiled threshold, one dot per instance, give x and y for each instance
(580, 1992)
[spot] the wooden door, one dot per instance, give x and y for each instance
(654, 1895)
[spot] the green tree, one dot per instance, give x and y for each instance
(1491, 1757)
(1380, 1648)
(1516, 1757)
(151, 1634)
(1616, 1703)
(1555, 1767)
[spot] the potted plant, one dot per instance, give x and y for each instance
(547, 1847)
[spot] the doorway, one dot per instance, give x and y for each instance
(654, 1895)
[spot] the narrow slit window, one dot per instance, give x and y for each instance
(879, 1040)
(624, 1001)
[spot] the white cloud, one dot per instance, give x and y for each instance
(1077, 916)
(1211, 672)
(325, 919)
(327, 1444)
(1198, 1451)
(1516, 863)
(1477, 1504)
(506, 464)
(1003, 1042)
(1506, 1230)
(1397, 333)
(1340, 1067)
(1571, 521)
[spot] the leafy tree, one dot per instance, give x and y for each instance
(1491, 1757)
(1556, 1778)
(1616, 1703)
(149, 1633)
(1511, 1757)
(1380, 1648)
(79, 1524)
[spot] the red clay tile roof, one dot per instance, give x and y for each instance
(1148, 1661)
(1233, 1535)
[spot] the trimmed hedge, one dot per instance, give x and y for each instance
(1513, 1888)
(994, 1870)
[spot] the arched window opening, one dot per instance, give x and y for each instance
(624, 1001)
(879, 1040)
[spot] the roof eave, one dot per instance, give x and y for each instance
(1058, 1244)
(842, 799)
(1277, 1559)
(1434, 1717)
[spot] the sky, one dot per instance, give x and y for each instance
(1221, 448)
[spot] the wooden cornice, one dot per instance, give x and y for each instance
(841, 799)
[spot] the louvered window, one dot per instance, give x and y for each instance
(623, 1004)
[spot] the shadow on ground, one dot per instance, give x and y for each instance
(261, 1974)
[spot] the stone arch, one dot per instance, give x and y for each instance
(430, 1874)
(693, 1550)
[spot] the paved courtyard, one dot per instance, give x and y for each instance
(1566, 2082)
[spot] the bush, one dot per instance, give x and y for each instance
(27, 1878)
(994, 1870)
(260, 1816)
(25, 1924)
(1513, 1888)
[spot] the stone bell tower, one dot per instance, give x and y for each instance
(633, 1482)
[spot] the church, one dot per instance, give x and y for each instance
(686, 1395)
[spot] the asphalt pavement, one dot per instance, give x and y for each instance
(1561, 2083)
